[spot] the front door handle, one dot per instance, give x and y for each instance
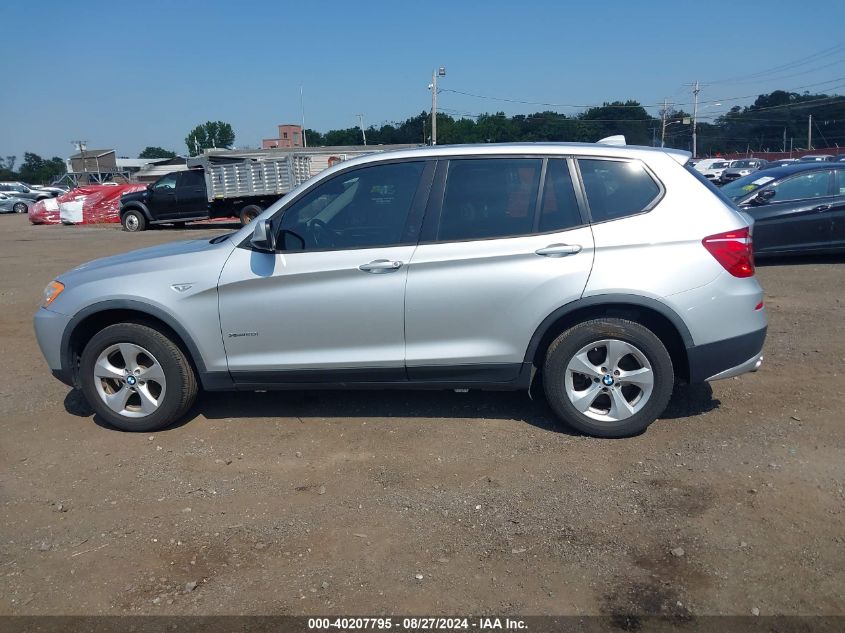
(822, 207)
(559, 250)
(380, 266)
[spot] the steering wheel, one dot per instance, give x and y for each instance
(323, 235)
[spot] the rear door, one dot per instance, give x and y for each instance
(797, 216)
(504, 244)
(190, 193)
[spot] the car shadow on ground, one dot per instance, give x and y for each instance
(687, 401)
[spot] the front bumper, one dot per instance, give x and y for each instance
(49, 329)
(727, 358)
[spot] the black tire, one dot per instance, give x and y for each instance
(570, 342)
(19, 207)
(249, 213)
(133, 221)
(181, 389)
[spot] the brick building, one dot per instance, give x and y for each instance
(290, 135)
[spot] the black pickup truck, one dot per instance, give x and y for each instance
(228, 189)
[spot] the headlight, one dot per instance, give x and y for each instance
(53, 290)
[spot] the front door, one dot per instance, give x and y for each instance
(506, 247)
(329, 306)
(162, 202)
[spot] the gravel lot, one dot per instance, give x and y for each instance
(424, 502)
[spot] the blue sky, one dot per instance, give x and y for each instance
(128, 75)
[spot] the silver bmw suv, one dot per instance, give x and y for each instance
(606, 272)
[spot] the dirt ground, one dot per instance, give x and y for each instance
(424, 502)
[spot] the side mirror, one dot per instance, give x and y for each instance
(764, 196)
(263, 237)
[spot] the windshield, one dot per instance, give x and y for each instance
(721, 165)
(745, 163)
(741, 187)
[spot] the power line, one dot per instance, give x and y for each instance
(787, 66)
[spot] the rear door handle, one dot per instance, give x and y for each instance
(380, 266)
(559, 250)
(822, 207)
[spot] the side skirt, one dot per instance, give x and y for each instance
(489, 377)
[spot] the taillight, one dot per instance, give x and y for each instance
(733, 251)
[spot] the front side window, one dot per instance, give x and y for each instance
(489, 197)
(813, 184)
(363, 208)
(616, 189)
(166, 182)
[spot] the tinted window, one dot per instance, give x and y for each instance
(559, 209)
(191, 178)
(493, 197)
(840, 182)
(166, 182)
(812, 184)
(366, 207)
(616, 189)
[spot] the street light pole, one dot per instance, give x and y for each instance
(363, 133)
(440, 72)
(695, 90)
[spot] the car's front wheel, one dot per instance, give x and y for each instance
(136, 378)
(133, 221)
(19, 207)
(608, 377)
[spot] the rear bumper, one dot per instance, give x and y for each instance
(726, 358)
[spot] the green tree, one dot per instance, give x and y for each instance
(153, 151)
(210, 134)
(7, 168)
(37, 170)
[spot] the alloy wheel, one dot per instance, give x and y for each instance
(609, 380)
(129, 380)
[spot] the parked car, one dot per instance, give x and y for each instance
(51, 189)
(817, 158)
(13, 204)
(714, 172)
(613, 271)
(703, 164)
(21, 190)
(742, 168)
(779, 163)
(796, 208)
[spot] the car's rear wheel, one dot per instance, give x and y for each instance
(249, 213)
(19, 207)
(133, 221)
(136, 378)
(608, 377)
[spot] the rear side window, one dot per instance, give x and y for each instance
(559, 209)
(492, 197)
(616, 189)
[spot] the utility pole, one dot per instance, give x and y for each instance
(663, 112)
(696, 88)
(810, 132)
(440, 72)
(302, 107)
(361, 124)
(80, 146)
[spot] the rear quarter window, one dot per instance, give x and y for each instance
(617, 188)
